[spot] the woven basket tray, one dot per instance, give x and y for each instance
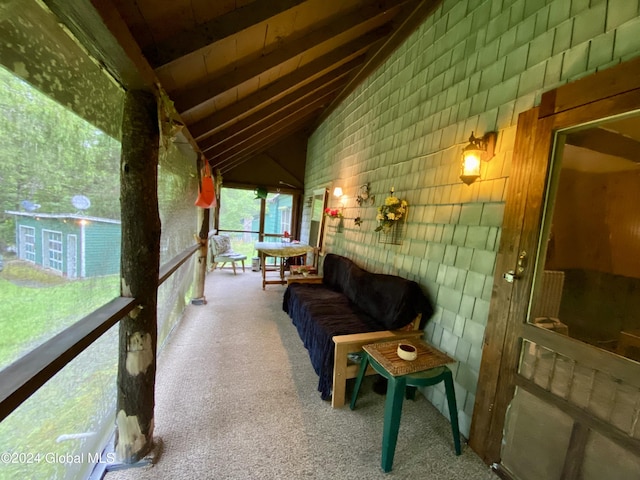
(386, 354)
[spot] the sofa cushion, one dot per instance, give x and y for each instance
(391, 300)
(336, 271)
(221, 244)
(319, 313)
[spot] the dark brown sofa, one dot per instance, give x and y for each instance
(351, 307)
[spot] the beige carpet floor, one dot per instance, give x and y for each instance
(236, 398)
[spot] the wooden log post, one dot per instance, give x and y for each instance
(140, 264)
(200, 271)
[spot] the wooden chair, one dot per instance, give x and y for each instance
(221, 252)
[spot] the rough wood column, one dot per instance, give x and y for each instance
(140, 264)
(200, 271)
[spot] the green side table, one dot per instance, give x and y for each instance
(404, 377)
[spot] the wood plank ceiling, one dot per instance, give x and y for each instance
(245, 75)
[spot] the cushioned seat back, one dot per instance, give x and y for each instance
(390, 300)
(336, 272)
(221, 244)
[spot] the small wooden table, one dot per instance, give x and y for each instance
(279, 250)
(405, 376)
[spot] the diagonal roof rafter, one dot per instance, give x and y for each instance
(289, 49)
(243, 75)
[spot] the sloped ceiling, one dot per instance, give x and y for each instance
(250, 79)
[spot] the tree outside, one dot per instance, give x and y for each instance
(48, 155)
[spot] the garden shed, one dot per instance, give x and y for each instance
(70, 244)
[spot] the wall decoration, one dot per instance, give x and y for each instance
(364, 197)
(393, 235)
(333, 212)
(391, 218)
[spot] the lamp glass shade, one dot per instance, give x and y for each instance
(470, 165)
(337, 192)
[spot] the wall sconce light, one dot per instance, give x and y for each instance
(478, 149)
(337, 192)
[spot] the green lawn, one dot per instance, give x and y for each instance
(34, 306)
(80, 399)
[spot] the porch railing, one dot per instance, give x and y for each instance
(23, 377)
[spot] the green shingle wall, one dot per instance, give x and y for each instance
(475, 65)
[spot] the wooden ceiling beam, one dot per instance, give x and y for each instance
(187, 99)
(258, 130)
(268, 141)
(205, 34)
(351, 52)
(606, 141)
(100, 28)
(318, 88)
(266, 138)
(329, 64)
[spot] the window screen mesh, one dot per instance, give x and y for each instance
(60, 245)
(177, 191)
(60, 235)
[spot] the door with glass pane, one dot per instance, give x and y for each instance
(560, 376)
(277, 216)
(52, 250)
(27, 243)
(576, 401)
